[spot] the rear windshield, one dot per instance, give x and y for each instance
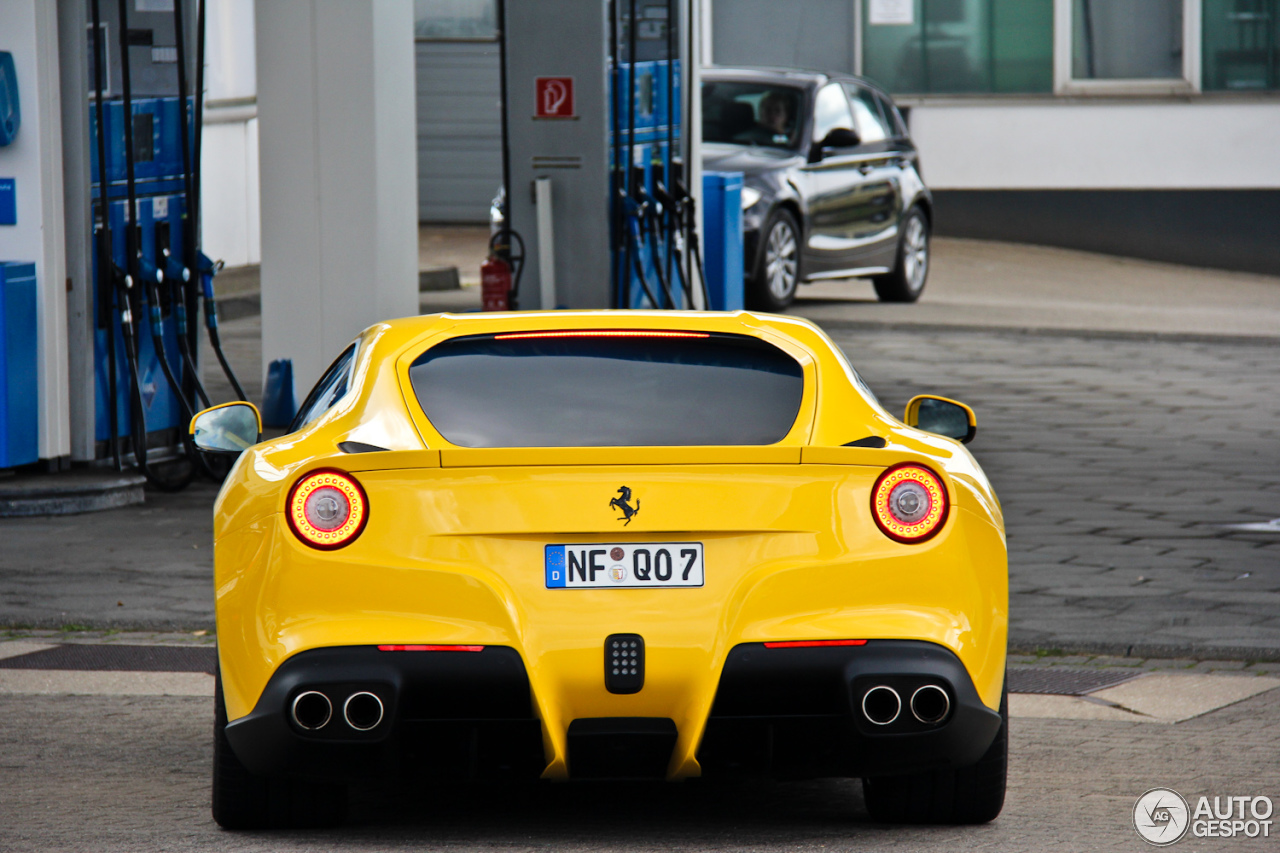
(608, 389)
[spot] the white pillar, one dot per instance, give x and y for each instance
(29, 30)
(339, 178)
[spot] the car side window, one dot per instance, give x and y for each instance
(830, 110)
(893, 118)
(331, 388)
(871, 125)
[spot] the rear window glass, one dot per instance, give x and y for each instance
(608, 389)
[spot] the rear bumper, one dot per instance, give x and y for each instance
(797, 712)
(445, 715)
(785, 712)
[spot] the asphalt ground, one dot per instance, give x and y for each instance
(1123, 455)
(124, 771)
(1122, 464)
(1126, 418)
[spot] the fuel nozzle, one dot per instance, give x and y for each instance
(208, 269)
(174, 269)
(177, 272)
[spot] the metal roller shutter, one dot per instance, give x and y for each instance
(459, 130)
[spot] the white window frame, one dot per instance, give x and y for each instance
(1064, 84)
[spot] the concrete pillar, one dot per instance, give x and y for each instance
(29, 30)
(338, 171)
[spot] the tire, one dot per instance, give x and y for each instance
(773, 282)
(967, 795)
(242, 800)
(906, 282)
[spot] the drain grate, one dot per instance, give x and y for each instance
(117, 658)
(1066, 682)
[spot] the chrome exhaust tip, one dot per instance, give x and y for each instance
(881, 705)
(362, 711)
(930, 704)
(311, 710)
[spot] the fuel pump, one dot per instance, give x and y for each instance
(648, 155)
(605, 136)
(149, 271)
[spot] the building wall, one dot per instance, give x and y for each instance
(1191, 182)
(229, 201)
(1180, 176)
(1225, 229)
(1208, 143)
(818, 34)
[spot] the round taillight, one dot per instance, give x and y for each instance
(909, 503)
(327, 509)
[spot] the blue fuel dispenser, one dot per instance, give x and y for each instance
(158, 231)
(19, 398)
(654, 234)
(602, 201)
(151, 278)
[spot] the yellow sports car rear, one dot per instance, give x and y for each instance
(604, 545)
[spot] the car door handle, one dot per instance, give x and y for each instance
(864, 167)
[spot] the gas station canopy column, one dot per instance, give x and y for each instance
(338, 163)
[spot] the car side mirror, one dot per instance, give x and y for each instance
(837, 137)
(841, 137)
(941, 416)
(230, 428)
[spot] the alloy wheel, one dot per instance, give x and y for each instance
(915, 254)
(780, 261)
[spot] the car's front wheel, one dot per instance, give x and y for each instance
(772, 285)
(906, 282)
(966, 795)
(242, 800)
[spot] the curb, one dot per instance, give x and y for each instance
(69, 625)
(69, 494)
(236, 307)
(1019, 646)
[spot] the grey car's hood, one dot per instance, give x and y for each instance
(750, 160)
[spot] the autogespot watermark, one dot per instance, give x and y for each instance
(1162, 816)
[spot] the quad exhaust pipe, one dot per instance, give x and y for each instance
(362, 711)
(930, 704)
(312, 710)
(881, 705)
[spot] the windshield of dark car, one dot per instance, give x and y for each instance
(624, 388)
(742, 113)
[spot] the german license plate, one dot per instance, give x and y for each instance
(646, 565)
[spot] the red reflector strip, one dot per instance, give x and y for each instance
(809, 644)
(430, 648)
(601, 333)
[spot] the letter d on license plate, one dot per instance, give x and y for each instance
(642, 565)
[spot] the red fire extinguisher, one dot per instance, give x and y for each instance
(495, 283)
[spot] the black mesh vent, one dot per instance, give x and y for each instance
(624, 663)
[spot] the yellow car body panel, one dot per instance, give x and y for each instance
(453, 549)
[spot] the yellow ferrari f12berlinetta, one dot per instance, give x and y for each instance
(605, 545)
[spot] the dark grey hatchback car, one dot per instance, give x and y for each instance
(831, 186)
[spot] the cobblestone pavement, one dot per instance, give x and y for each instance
(108, 773)
(1119, 462)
